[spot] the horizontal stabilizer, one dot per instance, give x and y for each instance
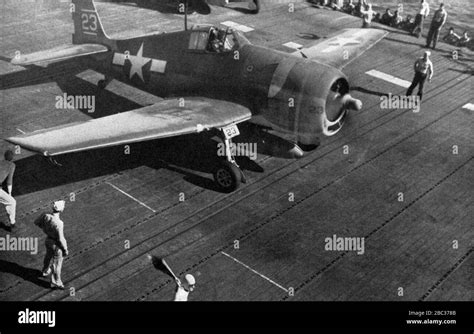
(59, 53)
(166, 118)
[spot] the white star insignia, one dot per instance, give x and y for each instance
(340, 42)
(138, 62)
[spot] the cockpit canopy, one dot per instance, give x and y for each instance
(213, 39)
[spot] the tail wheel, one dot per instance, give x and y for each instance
(227, 176)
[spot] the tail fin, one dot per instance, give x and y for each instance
(87, 25)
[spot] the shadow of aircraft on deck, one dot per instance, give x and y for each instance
(189, 155)
(368, 91)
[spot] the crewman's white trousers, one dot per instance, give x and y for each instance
(53, 262)
(10, 205)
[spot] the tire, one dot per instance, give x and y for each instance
(227, 177)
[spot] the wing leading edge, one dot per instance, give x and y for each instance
(160, 120)
(341, 49)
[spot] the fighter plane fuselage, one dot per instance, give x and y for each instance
(290, 94)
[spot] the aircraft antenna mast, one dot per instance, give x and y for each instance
(185, 14)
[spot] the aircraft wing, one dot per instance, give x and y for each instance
(163, 119)
(341, 49)
(59, 53)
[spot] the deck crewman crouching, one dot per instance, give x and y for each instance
(56, 246)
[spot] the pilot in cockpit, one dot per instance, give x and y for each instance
(220, 41)
(215, 41)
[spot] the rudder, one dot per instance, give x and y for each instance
(87, 25)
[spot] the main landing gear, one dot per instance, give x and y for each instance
(101, 84)
(228, 174)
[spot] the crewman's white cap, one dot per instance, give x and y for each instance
(190, 279)
(428, 53)
(58, 206)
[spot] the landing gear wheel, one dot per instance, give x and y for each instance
(228, 176)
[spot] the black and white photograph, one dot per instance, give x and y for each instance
(312, 155)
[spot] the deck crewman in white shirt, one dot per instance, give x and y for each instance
(184, 289)
(367, 15)
(420, 17)
(423, 70)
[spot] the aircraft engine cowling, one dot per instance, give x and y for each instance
(325, 102)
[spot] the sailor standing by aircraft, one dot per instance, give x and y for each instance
(423, 65)
(439, 19)
(56, 245)
(367, 15)
(419, 18)
(7, 169)
(183, 290)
